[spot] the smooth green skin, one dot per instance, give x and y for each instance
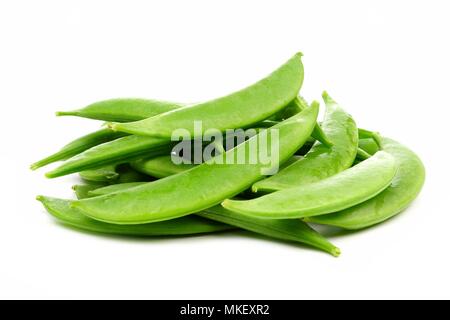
(237, 110)
(321, 161)
(361, 154)
(368, 145)
(104, 174)
(62, 211)
(123, 109)
(289, 230)
(160, 167)
(82, 191)
(113, 188)
(198, 188)
(343, 190)
(108, 110)
(79, 145)
(367, 134)
(404, 188)
(121, 150)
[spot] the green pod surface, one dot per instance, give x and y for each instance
(160, 167)
(345, 189)
(237, 110)
(201, 187)
(369, 145)
(62, 211)
(79, 145)
(82, 191)
(122, 109)
(288, 230)
(121, 150)
(321, 161)
(404, 188)
(104, 174)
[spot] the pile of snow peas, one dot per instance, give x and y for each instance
(330, 172)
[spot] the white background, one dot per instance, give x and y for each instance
(386, 62)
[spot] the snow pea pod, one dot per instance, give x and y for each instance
(201, 187)
(82, 191)
(103, 174)
(237, 110)
(121, 150)
(321, 161)
(288, 230)
(113, 188)
(345, 189)
(160, 167)
(404, 188)
(368, 145)
(122, 109)
(62, 211)
(79, 145)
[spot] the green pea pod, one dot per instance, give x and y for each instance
(321, 161)
(343, 190)
(160, 167)
(82, 191)
(79, 145)
(104, 174)
(361, 154)
(237, 110)
(163, 166)
(288, 230)
(368, 145)
(404, 188)
(62, 211)
(113, 188)
(201, 187)
(122, 109)
(121, 150)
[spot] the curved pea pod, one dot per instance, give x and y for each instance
(79, 145)
(288, 230)
(122, 109)
(293, 230)
(62, 211)
(404, 188)
(237, 110)
(122, 150)
(369, 145)
(100, 191)
(160, 167)
(341, 191)
(321, 161)
(203, 186)
(82, 191)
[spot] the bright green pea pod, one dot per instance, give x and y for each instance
(113, 188)
(79, 145)
(237, 110)
(288, 230)
(321, 161)
(62, 211)
(343, 190)
(104, 174)
(122, 150)
(404, 188)
(369, 145)
(160, 167)
(122, 109)
(203, 186)
(361, 154)
(82, 191)
(367, 134)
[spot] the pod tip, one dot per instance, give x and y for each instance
(66, 113)
(335, 252)
(40, 198)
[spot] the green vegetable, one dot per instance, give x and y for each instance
(343, 190)
(404, 188)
